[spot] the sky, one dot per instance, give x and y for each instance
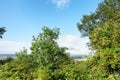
(25, 18)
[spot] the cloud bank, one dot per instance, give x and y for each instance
(75, 45)
(61, 3)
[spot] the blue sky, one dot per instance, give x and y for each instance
(25, 18)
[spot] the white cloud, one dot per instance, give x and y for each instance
(61, 3)
(10, 47)
(75, 44)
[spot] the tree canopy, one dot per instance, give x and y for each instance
(103, 29)
(102, 26)
(107, 10)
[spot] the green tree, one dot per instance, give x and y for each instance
(2, 31)
(102, 26)
(107, 10)
(46, 50)
(103, 29)
(47, 53)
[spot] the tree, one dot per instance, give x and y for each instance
(47, 53)
(2, 31)
(46, 50)
(107, 10)
(103, 29)
(100, 23)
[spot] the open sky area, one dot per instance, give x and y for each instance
(25, 18)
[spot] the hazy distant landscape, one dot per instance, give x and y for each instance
(3, 56)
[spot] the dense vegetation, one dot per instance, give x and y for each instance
(48, 61)
(103, 29)
(43, 63)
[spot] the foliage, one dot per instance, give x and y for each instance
(74, 71)
(103, 29)
(20, 68)
(43, 73)
(47, 50)
(107, 35)
(49, 55)
(104, 64)
(107, 10)
(2, 31)
(42, 64)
